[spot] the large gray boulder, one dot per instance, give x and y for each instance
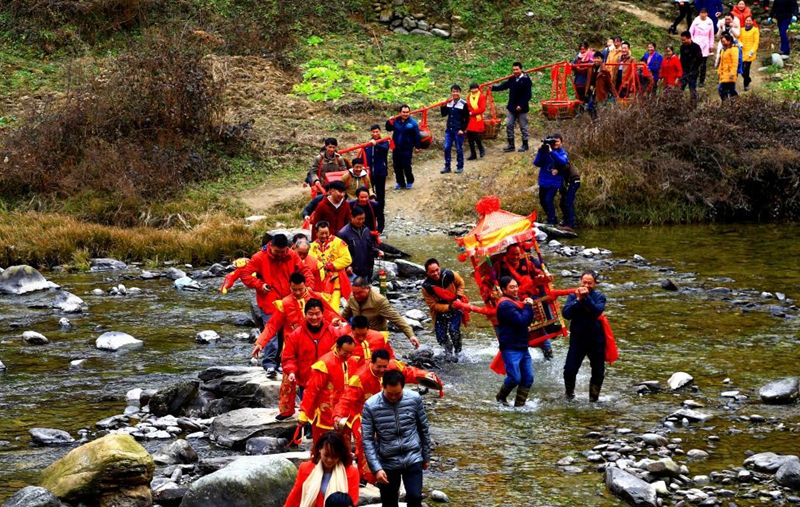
(177, 452)
(239, 387)
(263, 481)
(235, 428)
(409, 269)
(102, 264)
(21, 280)
(69, 303)
(664, 467)
(48, 436)
(768, 462)
(789, 475)
(33, 496)
(34, 338)
(679, 379)
(174, 399)
(630, 488)
(115, 340)
(260, 446)
(780, 392)
(174, 273)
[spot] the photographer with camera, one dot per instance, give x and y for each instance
(551, 159)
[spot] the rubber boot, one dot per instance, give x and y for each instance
(522, 396)
(502, 395)
(510, 147)
(594, 392)
(569, 387)
(524, 146)
(481, 151)
(472, 154)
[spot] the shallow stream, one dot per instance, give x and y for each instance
(488, 455)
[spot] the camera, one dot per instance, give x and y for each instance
(549, 141)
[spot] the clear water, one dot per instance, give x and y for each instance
(489, 455)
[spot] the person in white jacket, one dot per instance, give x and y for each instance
(729, 24)
(702, 31)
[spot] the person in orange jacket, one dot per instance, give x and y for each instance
(476, 102)
(268, 272)
(325, 387)
(361, 386)
(329, 455)
(305, 345)
(234, 275)
(368, 341)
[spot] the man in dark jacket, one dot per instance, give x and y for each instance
(691, 58)
(406, 138)
(782, 11)
(513, 318)
(397, 443)
(550, 159)
(586, 335)
(376, 158)
(519, 95)
(361, 244)
(457, 114)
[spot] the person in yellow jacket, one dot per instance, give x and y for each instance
(335, 257)
(749, 39)
(728, 68)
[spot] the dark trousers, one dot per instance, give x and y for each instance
(448, 331)
(578, 350)
(568, 191)
(702, 72)
(379, 185)
(401, 160)
(727, 90)
(685, 11)
(547, 198)
(783, 28)
(746, 73)
(475, 138)
(690, 80)
(273, 348)
(412, 479)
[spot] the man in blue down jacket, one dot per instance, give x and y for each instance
(550, 159)
(396, 440)
(407, 141)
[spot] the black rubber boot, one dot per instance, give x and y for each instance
(594, 392)
(522, 396)
(524, 146)
(510, 147)
(472, 155)
(569, 386)
(502, 395)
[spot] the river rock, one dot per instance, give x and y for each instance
(439, 496)
(630, 488)
(102, 264)
(34, 338)
(112, 470)
(149, 275)
(2, 366)
(776, 60)
(64, 324)
(251, 480)
(234, 428)
(265, 445)
(679, 379)
(186, 283)
(664, 467)
(697, 454)
(174, 399)
(21, 280)
(33, 496)
(768, 462)
(654, 439)
(239, 387)
(115, 340)
(415, 315)
(207, 337)
(389, 267)
(788, 475)
(177, 452)
(174, 274)
(69, 303)
(47, 436)
(691, 415)
(409, 269)
(780, 392)
(76, 364)
(169, 494)
(670, 285)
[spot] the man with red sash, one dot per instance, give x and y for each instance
(335, 257)
(268, 272)
(513, 319)
(289, 316)
(368, 341)
(304, 346)
(440, 289)
(361, 386)
(329, 375)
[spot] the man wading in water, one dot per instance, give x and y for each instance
(513, 318)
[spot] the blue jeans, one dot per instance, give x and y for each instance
(448, 331)
(519, 368)
(547, 198)
(412, 479)
(449, 139)
(690, 80)
(783, 28)
(568, 190)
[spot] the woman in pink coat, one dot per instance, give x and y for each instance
(702, 31)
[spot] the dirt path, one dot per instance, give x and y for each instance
(643, 15)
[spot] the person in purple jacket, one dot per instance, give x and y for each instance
(550, 159)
